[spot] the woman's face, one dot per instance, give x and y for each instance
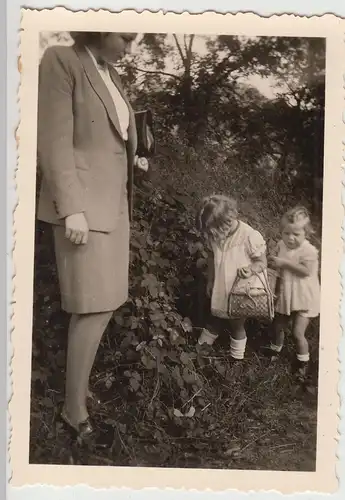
(116, 45)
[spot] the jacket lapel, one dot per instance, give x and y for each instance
(99, 86)
(132, 131)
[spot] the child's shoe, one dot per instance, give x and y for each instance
(272, 351)
(301, 370)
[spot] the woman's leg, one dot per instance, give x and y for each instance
(238, 339)
(84, 335)
(300, 326)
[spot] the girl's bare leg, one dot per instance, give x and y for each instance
(300, 326)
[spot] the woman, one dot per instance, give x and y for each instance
(86, 150)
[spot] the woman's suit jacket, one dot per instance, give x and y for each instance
(85, 162)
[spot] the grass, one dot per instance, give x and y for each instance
(248, 416)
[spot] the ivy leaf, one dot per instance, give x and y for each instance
(135, 384)
(185, 358)
(189, 377)
(191, 412)
(108, 383)
(137, 376)
(177, 413)
(177, 377)
(141, 345)
(143, 254)
(138, 303)
(187, 325)
(157, 316)
(148, 362)
(122, 428)
(119, 320)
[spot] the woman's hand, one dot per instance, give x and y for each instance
(141, 163)
(77, 229)
(245, 272)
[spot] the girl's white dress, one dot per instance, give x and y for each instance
(238, 251)
(298, 293)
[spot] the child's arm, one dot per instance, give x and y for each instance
(256, 250)
(259, 264)
(302, 268)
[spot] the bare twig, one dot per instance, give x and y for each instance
(191, 399)
(204, 408)
(155, 392)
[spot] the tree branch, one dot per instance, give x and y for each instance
(179, 48)
(191, 43)
(155, 72)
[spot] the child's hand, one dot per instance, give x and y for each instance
(245, 272)
(276, 262)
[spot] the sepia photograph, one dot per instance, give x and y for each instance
(123, 332)
(178, 250)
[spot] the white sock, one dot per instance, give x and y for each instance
(303, 357)
(276, 348)
(238, 347)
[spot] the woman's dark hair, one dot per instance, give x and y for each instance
(94, 38)
(87, 37)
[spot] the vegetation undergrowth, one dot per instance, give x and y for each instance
(174, 403)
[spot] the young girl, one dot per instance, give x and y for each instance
(236, 249)
(299, 289)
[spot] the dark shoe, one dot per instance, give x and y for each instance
(88, 433)
(301, 370)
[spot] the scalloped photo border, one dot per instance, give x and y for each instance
(324, 479)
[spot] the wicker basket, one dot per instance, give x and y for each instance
(249, 301)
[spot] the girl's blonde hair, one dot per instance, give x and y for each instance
(215, 215)
(298, 215)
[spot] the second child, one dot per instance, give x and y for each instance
(299, 291)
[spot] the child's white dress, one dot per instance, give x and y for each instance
(298, 293)
(238, 251)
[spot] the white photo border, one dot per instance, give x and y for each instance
(324, 479)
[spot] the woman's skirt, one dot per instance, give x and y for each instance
(94, 277)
